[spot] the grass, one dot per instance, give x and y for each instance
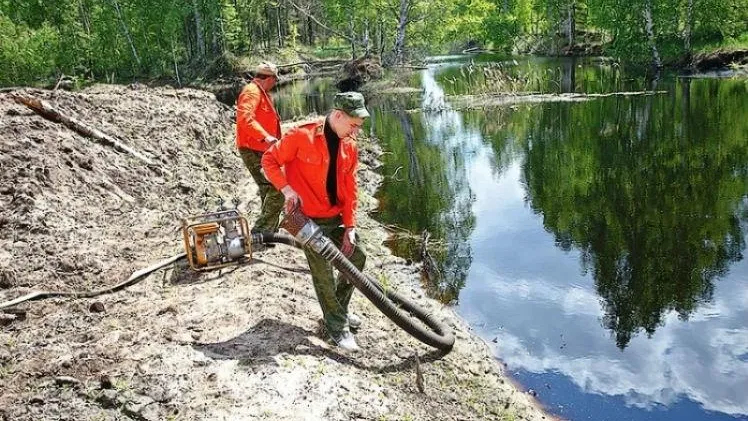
(727, 44)
(121, 385)
(321, 369)
(5, 371)
(10, 341)
(384, 281)
(510, 416)
(172, 417)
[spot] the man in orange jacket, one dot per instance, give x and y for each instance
(314, 166)
(258, 127)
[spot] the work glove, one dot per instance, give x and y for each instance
(271, 139)
(349, 242)
(292, 199)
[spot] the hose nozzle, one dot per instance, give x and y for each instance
(306, 231)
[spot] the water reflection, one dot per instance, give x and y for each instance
(649, 198)
(652, 199)
(589, 75)
(426, 185)
(302, 97)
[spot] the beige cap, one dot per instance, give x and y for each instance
(266, 68)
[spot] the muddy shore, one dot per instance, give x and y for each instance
(236, 344)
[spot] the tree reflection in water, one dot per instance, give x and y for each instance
(426, 188)
(656, 201)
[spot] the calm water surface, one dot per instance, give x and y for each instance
(597, 246)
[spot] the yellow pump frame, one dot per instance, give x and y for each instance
(194, 230)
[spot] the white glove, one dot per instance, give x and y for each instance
(292, 198)
(349, 242)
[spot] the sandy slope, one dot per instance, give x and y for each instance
(243, 343)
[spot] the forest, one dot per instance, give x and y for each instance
(122, 40)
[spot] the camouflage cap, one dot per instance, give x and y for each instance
(352, 103)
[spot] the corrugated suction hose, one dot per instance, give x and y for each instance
(411, 317)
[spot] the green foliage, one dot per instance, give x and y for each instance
(26, 52)
(503, 29)
(125, 39)
(711, 21)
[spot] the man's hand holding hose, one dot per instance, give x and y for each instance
(292, 199)
(349, 241)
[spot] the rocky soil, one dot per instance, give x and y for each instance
(239, 343)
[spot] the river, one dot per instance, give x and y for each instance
(597, 246)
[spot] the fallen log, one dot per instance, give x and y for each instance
(48, 111)
(512, 98)
(314, 62)
(408, 66)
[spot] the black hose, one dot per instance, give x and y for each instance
(133, 279)
(388, 302)
(275, 237)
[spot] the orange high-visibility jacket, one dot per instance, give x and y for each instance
(301, 159)
(256, 118)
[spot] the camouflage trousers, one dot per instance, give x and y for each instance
(333, 293)
(272, 199)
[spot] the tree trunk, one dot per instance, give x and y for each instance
(217, 36)
(126, 31)
(51, 113)
(322, 25)
(310, 30)
(377, 36)
(381, 37)
(402, 24)
(571, 23)
(85, 20)
(188, 38)
(267, 28)
(656, 62)
(367, 47)
(198, 30)
(279, 25)
(284, 25)
(222, 42)
(688, 28)
(176, 66)
(352, 35)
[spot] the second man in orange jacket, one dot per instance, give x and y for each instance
(257, 128)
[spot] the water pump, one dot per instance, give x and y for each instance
(216, 239)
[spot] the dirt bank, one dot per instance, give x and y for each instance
(720, 59)
(242, 343)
